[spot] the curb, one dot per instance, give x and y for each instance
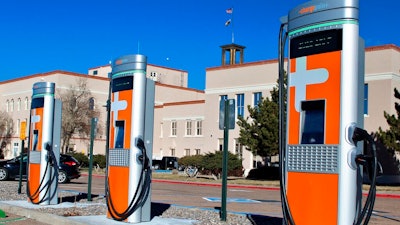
(379, 195)
(46, 218)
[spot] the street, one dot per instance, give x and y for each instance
(256, 201)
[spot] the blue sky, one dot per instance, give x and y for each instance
(74, 35)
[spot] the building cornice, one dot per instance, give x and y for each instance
(149, 64)
(227, 90)
(275, 61)
(382, 76)
(55, 72)
(180, 103)
(179, 87)
(234, 66)
(382, 47)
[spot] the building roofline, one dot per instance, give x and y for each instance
(272, 61)
(382, 47)
(54, 72)
(179, 87)
(180, 103)
(96, 67)
(164, 67)
(255, 63)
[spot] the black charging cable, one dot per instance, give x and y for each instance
(287, 215)
(51, 163)
(370, 162)
(137, 200)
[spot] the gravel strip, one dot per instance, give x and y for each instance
(8, 191)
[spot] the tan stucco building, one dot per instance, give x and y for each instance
(186, 120)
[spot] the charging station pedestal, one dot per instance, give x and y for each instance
(325, 81)
(44, 145)
(130, 141)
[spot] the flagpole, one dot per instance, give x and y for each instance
(233, 35)
(230, 22)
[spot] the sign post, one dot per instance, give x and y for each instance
(227, 115)
(92, 136)
(22, 136)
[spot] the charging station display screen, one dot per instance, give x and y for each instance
(120, 133)
(122, 83)
(315, 43)
(313, 122)
(37, 103)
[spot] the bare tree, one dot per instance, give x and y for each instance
(6, 132)
(77, 110)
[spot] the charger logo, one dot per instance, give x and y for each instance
(303, 77)
(117, 105)
(313, 8)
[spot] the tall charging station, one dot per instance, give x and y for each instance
(130, 140)
(44, 145)
(321, 176)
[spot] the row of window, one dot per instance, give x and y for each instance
(192, 128)
(188, 152)
(240, 105)
(10, 104)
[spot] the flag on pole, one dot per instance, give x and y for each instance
(228, 22)
(229, 11)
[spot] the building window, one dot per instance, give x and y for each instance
(238, 148)
(199, 127)
(95, 72)
(240, 105)
(187, 152)
(7, 106)
(172, 152)
(256, 98)
(91, 104)
(220, 144)
(12, 105)
(26, 103)
(15, 149)
(18, 125)
(188, 128)
(19, 104)
(174, 128)
(197, 151)
(366, 99)
(223, 97)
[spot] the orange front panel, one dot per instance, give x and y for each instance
(125, 115)
(328, 91)
(118, 178)
(36, 126)
(313, 198)
(34, 181)
(294, 118)
(118, 175)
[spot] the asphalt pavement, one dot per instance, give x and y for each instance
(261, 201)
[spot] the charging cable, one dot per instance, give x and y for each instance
(137, 200)
(371, 163)
(50, 164)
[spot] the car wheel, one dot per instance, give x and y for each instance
(3, 174)
(62, 177)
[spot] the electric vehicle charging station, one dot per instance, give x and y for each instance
(321, 177)
(130, 141)
(44, 145)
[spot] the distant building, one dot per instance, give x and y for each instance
(186, 119)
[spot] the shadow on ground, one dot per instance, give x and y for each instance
(157, 209)
(264, 220)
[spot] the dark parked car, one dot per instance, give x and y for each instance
(67, 170)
